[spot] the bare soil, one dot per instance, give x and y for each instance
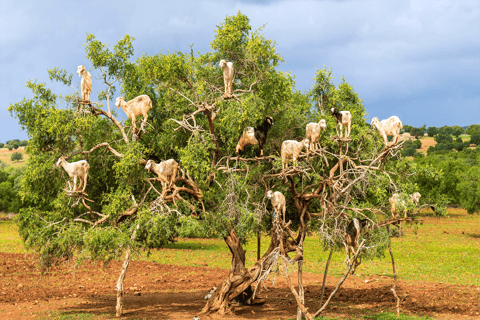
(155, 291)
(426, 143)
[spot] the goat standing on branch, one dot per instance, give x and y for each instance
(396, 203)
(291, 150)
(86, 83)
(278, 202)
(344, 118)
(352, 234)
(313, 132)
(75, 169)
(165, 170)
(227, 68)
(141, 105)
(390, 126)
(255, 136)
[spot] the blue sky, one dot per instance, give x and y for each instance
(419, 59)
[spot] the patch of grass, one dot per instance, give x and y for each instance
(9, 239)
(72, 315)
(393, 316)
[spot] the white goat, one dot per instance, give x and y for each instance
(388, 127)
(278, 202)
(248, 137)
(86, 83)
(313, 132)
(396, 202)
(75, 169)
(291, 150)
(165, 170)
(141, 105)
(344, 118)
(227, 68)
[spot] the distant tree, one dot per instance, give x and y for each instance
(23, 143)
(16, 156)
(468, 189)
(475, 139)
(446, 130)
(457, 130)
(432, 131)
(442, 138)
(2, 145)
(410, 152)
(418, 132)
(407, 128)
(473, 129)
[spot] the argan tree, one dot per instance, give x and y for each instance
(192, 122)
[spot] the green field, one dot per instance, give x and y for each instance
(442, 250)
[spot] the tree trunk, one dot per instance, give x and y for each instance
(240, 278)
(120, 281)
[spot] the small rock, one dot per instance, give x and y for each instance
(137, 293)
(19, 286)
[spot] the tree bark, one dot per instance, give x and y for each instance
(240, 278)
(121, 279)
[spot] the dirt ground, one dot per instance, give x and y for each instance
(155, 291)
(426, 143)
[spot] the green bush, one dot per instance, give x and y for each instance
(441, 138)
(432, 131)
(16, 156)
(475, 139)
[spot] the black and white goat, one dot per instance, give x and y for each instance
(257, 135)
(344, 118)
(352, 234)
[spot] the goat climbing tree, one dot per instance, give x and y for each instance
(195, 123)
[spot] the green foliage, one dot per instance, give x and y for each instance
(475, 139)
(473, 129)
(432, 131)
(446, 130)
(418, 132)
(468, 188)
(410, 147)
(407, 128)
(442, 138)
(457, 130)
(10, 184)
(16, 156)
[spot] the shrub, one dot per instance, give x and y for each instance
(432, 131)
(442, 138)
(16, 156)
(475, 139)
(418, 132)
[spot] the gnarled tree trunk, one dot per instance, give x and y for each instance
(240, 278)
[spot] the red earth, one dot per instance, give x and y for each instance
(155, 291)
